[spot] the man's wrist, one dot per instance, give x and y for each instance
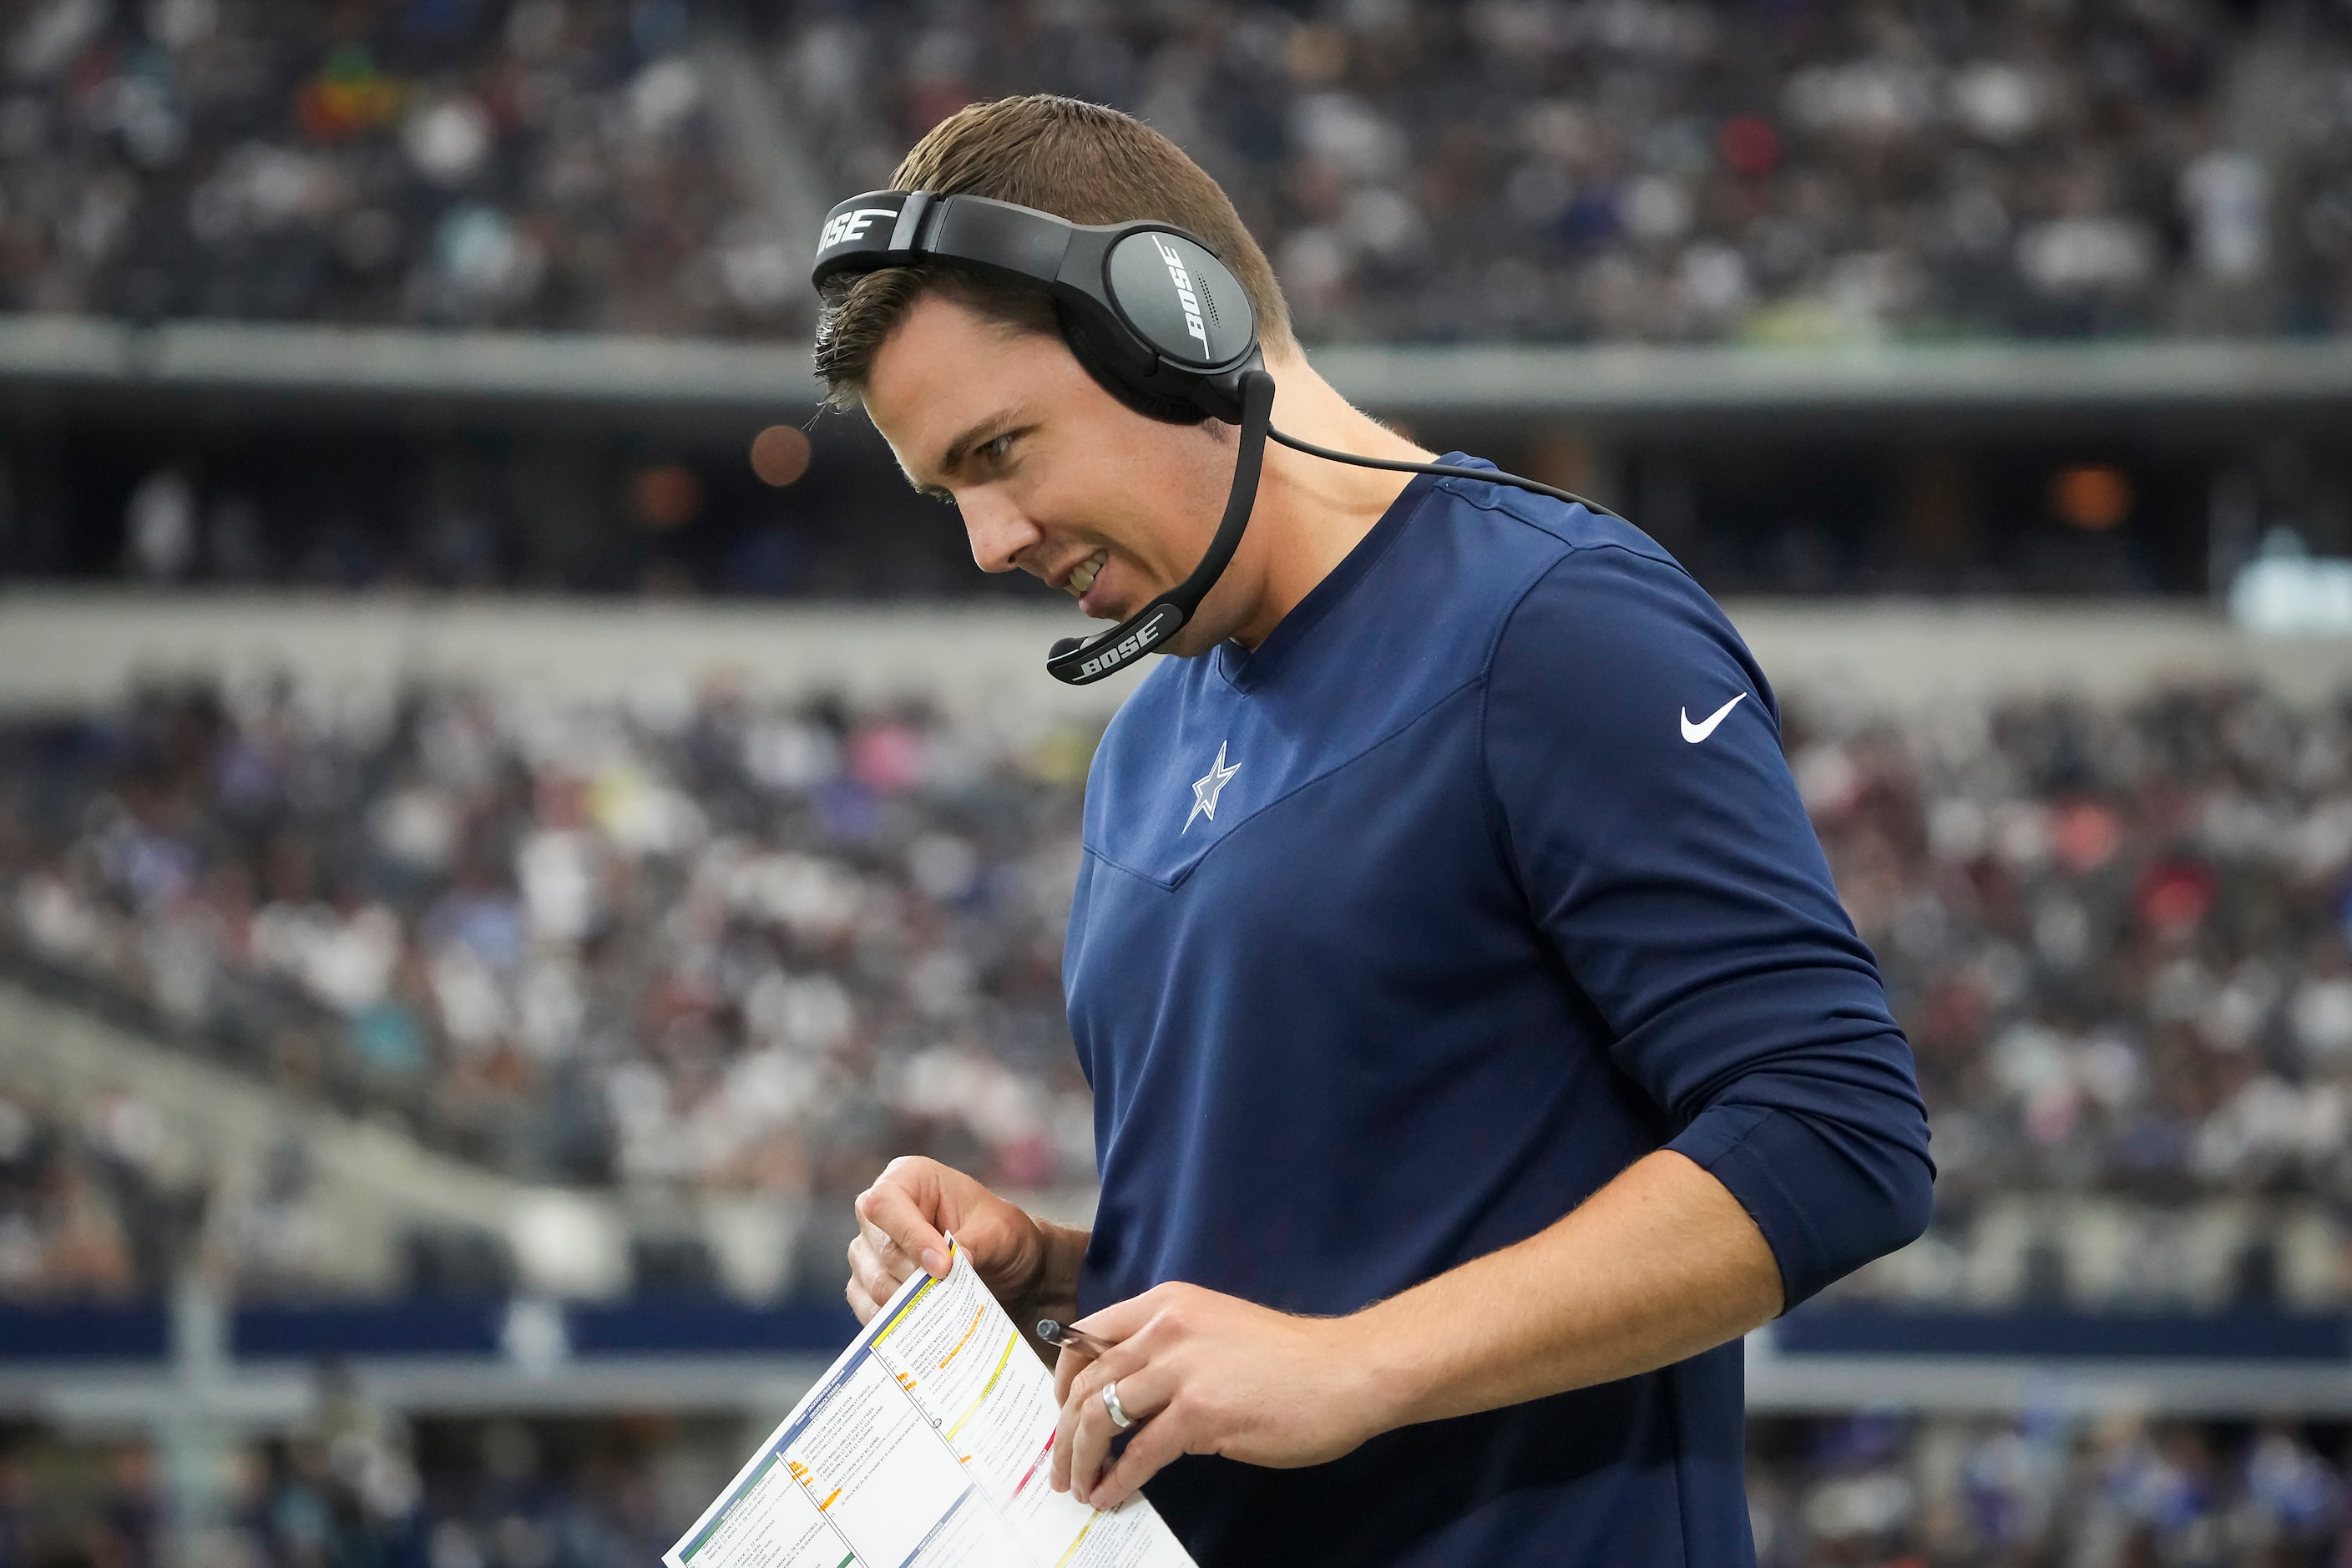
(1054, 1289)
(1050, 1288)
(1392, 1363)
(1062, 1254)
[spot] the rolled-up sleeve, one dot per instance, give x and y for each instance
(1663, 848)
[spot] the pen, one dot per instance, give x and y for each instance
(1077, 1340)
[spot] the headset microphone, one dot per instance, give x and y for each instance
(1156, 316)
(1081, 661)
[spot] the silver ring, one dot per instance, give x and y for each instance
(1119, 1416)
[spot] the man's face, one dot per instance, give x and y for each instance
(1054, 476)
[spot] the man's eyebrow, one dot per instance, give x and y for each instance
(987, 429)
(932, 491)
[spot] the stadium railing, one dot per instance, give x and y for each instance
(1621, 384)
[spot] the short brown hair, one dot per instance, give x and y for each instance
(1077, 160)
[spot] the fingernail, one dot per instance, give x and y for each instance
(935, 1263)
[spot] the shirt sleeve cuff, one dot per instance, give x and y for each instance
(1821, 1214)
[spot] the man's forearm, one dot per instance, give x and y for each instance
(1055, 1293)
(1659, 1265)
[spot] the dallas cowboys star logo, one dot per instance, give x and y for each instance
(1209, 786)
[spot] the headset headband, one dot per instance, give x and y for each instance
(1153, 312)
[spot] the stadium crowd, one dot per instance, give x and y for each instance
(99, 1200)
(708, 944)
(1639, 169)
(677, 942)
(82, 1211)
(1649, 171)
(1883, 1489)
(437, 162)
(352, 1488)
(2117, 936)
(356, 1490)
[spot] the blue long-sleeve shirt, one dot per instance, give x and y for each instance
(1401, 935)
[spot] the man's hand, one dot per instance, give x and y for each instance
(903, 1221)
(1659, 1264)
(1208, 1374)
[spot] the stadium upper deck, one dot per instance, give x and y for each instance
(1629, 172)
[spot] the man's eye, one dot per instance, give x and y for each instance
(995, 450)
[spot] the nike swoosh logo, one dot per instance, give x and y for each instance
(1694, 733)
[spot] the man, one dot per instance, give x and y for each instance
(1479, 1047)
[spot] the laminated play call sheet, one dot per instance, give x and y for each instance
(927, 1445)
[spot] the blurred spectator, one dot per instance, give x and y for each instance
(93, 1203)
(2118, 936)
(1659, 172)
(714, 945)
(461, 162)
(353, 1488)
(1642, 170)
(61, 1231)
(1883, 1489)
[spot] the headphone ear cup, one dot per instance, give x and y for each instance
(1106, 357)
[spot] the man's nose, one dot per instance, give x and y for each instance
(997, 530)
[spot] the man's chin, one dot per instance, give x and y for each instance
(1189, 643)
(1104, 609)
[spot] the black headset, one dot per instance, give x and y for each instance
(1154, 316)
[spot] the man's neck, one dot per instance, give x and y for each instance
(1310, 512)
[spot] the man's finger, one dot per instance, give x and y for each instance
(860, 1303)
(872, 1275)
(1068, 1362)
(1155, 1443)
(1115, 1324)
(1142, 1393)
(1089, 1444)
(881, 1243)
(1085, 1429)
(895, 1216)
(886, 1266)
(1077, 1388)
(1124, 1320)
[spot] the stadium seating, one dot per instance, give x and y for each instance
(2117, 939)
(353, 1488)
(1867, 1488)
(1666, 172)
(448, 164)
(1883, 1489)
(742, 948)
(724, 947)
(1637, 171)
